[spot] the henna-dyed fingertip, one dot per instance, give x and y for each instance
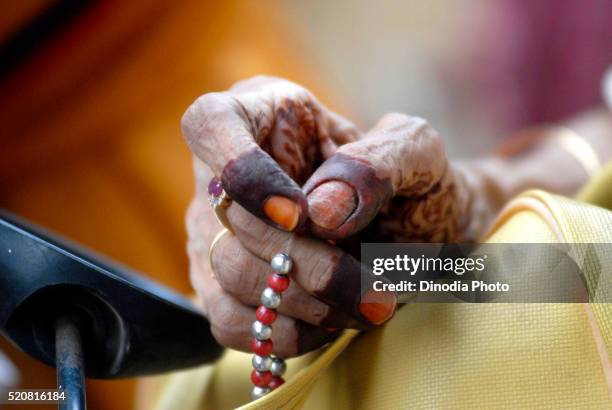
(282, 211)
(331, 203)
(378, 307)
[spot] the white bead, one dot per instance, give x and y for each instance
(281, 263)
(259, 392)
(261, 331)
(261, 363)
(278, 366)
(270, 298)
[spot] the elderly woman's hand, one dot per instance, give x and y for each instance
(265, 138)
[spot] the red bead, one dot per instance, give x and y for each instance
(261, 379)
(278, 283)
(265, 315)
(261, 347)
(276, 381)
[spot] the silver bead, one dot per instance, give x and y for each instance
(259, 392)
(270, 298)
(261, 331)
(278, 366)
(261, 363)
(281, 263)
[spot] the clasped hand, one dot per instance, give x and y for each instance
(290, 166)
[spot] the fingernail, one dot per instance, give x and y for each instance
(378, 307)
(282, 211)
(331, 203)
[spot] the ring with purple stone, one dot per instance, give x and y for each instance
(220, 201)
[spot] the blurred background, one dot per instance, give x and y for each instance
(92, 93)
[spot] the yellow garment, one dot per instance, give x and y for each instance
(459, 356)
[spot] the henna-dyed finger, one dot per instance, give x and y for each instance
(260, 138)
(400, 156)
(322, 270)
(245, 276)
(219, 131)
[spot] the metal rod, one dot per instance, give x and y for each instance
(69, 364)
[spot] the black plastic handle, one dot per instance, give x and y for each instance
(130, 325)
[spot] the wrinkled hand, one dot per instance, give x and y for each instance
(265, 138)
(396, 181)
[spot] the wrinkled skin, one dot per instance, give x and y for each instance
(266, 138)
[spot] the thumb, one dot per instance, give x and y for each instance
(401, 155)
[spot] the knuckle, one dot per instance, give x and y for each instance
(271, 239)
(224, 321)
(319, 312)
(320, 275)
(414, 130)
(298, 303)
(261, 238)
(211, 102)
(285, 88)
(227, 316)
(404, 125)
(201, 113)
(246, 225)
(435, 141)
(237, 276)
(396, 119)
(431, 145)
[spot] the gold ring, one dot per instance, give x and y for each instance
(212, 245)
